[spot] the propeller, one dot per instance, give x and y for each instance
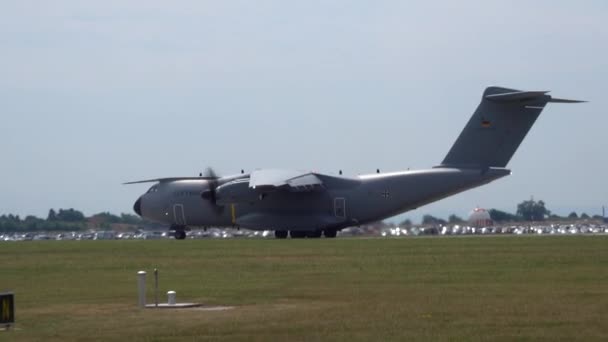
(209, 194)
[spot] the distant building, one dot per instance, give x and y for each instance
(480, 217)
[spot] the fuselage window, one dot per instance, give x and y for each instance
(184, 193)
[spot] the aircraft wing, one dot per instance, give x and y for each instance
(290, 180)
(171, 179)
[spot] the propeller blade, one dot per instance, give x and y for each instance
(210, 173)
(209, 194)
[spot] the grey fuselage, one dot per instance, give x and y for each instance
(344, 202)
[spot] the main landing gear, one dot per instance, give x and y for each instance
(280, 234)
(296, 234)
(311, 234)
(179, 232)
(315, 234)
(330, 233)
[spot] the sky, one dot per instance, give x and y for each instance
(94, 94)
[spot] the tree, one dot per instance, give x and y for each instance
(573, 215)
(129, 218)
(9, 224)
(584, 216)
(105, 217)
(455, 219)
(406, 223)
(555, 217)
(52, 216)
(429, 219)
(70, 215)
(532, 211)
(502, 216)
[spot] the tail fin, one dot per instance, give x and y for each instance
(497, 128)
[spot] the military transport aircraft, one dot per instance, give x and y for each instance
(311, 204)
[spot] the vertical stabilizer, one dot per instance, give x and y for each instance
(497, 128)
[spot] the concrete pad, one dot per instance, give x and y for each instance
(195, 306)
(172, 306)
(213, 308)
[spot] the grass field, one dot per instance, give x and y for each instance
(461, 288)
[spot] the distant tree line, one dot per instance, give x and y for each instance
(13, 223)
(66, 220)
(529, 210)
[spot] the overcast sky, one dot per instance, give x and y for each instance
(93, 94)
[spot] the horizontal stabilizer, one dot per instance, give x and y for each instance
(516, 96)
(556, 100)
(524, 96)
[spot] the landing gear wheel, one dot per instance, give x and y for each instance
(314, 234)
(330, 233)
(297, 234)
(280, 234)
(180, 234)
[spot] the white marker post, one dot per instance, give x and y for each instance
(141, 289)
(156, 287)
(171, 297)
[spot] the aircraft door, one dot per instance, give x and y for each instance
(178, 214)
(340, 207)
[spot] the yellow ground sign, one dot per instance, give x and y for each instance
(7, 308)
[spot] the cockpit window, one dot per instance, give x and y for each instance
(153, 189)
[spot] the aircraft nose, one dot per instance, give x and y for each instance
(137, 206)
